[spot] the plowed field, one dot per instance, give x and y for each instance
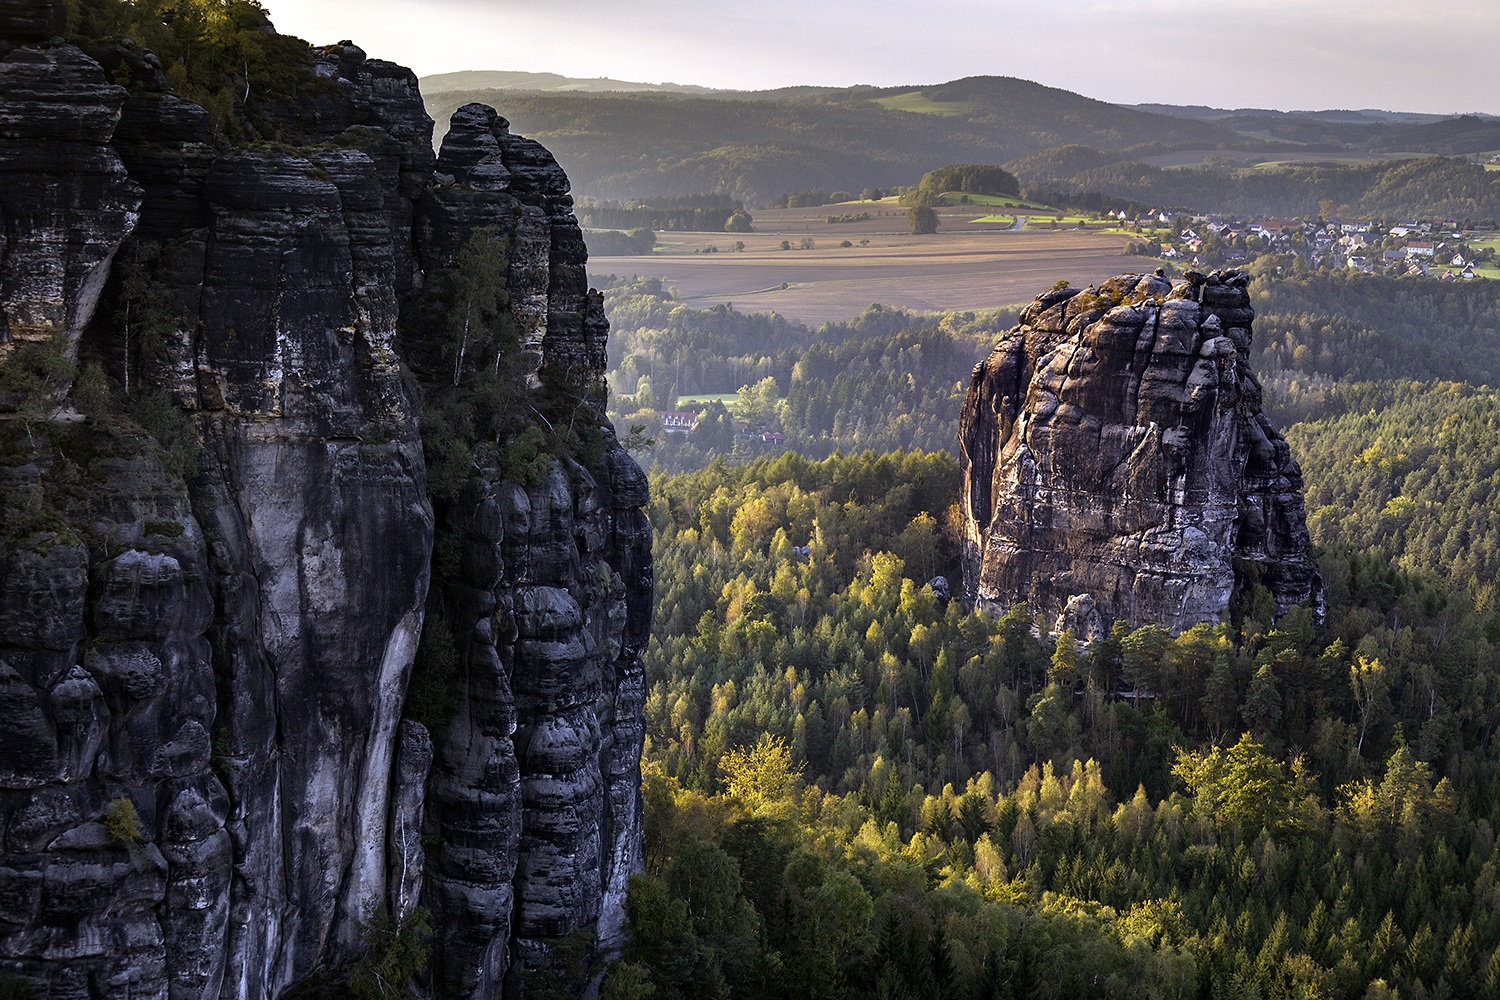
(965, 265)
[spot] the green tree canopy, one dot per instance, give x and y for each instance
(922, 219)
(971, 178)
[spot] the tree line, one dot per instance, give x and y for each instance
(1427, 187)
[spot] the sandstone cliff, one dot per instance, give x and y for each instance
(211, 782)
(1118, 465)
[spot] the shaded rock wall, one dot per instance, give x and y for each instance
(58, 227)
(535, 782)
(1118, 465)
(209, 789)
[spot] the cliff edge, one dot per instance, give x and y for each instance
(303, 657)
(1118, 466)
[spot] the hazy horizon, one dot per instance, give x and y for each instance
(1280, 54)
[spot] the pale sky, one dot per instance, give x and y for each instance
(1400, 55)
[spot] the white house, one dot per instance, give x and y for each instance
(676, 420)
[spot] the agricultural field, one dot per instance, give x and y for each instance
(1240, 157)
(819, 280)
(992, 200)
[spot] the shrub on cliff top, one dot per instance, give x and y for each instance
(219, 54)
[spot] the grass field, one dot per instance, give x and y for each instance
(722, 397)
(999, 220)
(949, 270)
(992, 200)
(1242, 157)
(1044, 221)
(1489, 269)
(916, 102)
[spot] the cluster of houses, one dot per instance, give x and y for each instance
(1360, 244)
(683, 422)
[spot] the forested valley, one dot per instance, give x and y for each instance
(886, 380)
(856, 786)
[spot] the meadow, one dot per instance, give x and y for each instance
(920, 103)
(1243, 157)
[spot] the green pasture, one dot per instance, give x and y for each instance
(920, 104)
(1486, 270)
(727, 398)
(993, 200)
(1066, 222)
(1008, 220)
(1268, 137)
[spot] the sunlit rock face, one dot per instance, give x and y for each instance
(1118, 465)
(208, 785)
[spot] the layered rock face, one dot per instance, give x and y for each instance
(208, 787)
(1118, 465)
(535, 782)
(58, 232)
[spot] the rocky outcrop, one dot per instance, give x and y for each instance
(535, 779)
(211, 787)
(1118, 465)
(488, 177)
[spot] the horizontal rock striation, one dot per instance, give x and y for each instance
(66, 200)
(1118, 465)
(211, 785)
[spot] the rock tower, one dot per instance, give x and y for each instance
(210, 784)
(1118, 465)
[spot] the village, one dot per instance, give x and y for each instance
(1445, 250)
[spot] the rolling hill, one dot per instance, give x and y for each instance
(621, 141)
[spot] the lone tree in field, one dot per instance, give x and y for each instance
(922, 219)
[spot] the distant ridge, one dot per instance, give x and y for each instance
(547, 82)
(1363, 116)
(621, 140)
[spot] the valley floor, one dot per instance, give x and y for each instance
(944, 271)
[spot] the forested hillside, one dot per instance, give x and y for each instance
(885, 380)
(624, 146)
(1429, 187)
(1340, 325)
(858, 787)
(754, 146)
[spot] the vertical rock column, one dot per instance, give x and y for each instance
(327, 537)
(535, 794)
(1116, 458)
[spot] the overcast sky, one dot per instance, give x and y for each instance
(1402, 55)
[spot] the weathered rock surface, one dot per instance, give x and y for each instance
(1118, 465)
(488, 177)
(207, 786)
(66, 201)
